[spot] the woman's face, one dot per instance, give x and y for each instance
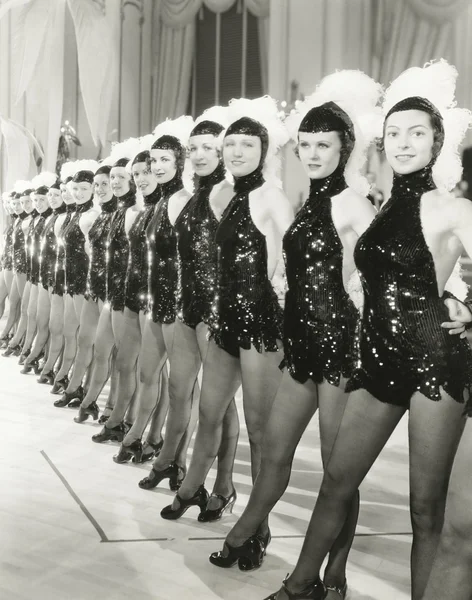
(204, 154)
(102, 188)
(163, 165)
(119, 181)
(242, 153)
(55, 198)
(144, 178)
(40, 202)
(26, 203)
(15, 205)
(408, 141)
(81, 192)
(319, 153)
(66, 194)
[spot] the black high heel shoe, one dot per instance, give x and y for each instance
(72, 399)
(134, 451)
(30, 366)
(103, 419)
(91, 410)
(4, 341)
(113, 434)
(214, 514)
(23, 356)
(150, 451)
(12, 350)
(47, 378)
(173, 472)
(340, 591)
(249, 556)
(200, 499)
(60, 385)
(316, 591)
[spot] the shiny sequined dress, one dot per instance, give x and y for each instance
(118, 250)
(247, 310)
(198, 253)
(29, 243)
(48, 252)
(36, 245)
(7, 256)
(98, 236)
(136, 285)
(403, 348)
(76, 258)
(163, 262)
(319, 317)
(60, 276)
(18, 245)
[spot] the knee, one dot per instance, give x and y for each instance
(84, 339)
(457, 533)
(427, 514)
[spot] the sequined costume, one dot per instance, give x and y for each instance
(136, 285)
(36, 245)
(60, 278)
(198, 253)
(48, 253)
(247, 310)
(7, 256)
(118, 250)
(319, 317)
(98, 236)
(29, 244)
(18, 246)
(163, 262)
(403, 348)
(76, 258)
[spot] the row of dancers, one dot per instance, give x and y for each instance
(334, 309)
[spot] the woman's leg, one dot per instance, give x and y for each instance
(451, 574)
(365, 428)
(21, 329)
(31, 323)
(434, 433)
(42, 322)
(86, 334)
(56, 331)
(16, 292)
(158, 418)
(71, 325)
(3, 292)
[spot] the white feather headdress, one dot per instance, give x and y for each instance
(265, 111)
(68, 169)
(22, 185)
(436, 82)
(357, 95)
(87, 164)
(217, 114)
(45, 178)
(126, 149)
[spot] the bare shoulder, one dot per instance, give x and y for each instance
(451, 210)
(182, 195)
(349, 198)
(270, 194)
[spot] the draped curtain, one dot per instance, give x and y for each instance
(173, 52)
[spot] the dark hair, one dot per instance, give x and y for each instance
(170, 142)
(121, 162)
(248, 126)
(207, 128)
(83, 177)
(143, 156)
(26, 193)
(42, 190)
(103, 170)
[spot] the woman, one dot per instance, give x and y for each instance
(74, 237)
(319, 316)
(246, 329)
(197, 255)
(108, 331)
(47, 271)
(407, 361)
(6, 263)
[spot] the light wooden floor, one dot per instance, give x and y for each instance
(74, 525)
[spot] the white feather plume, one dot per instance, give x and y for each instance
(87, 164)
(357, 95)
(126, 149)
(68, 169)
(179, 128)
(217, 114)
(46, 178)
(22, 185)
(436, 82)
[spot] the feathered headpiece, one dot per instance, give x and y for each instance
(68, 170)
(213, 121)
(123, 152)
(42, 182)
(436, 82)
(265, 112)
(21, 186)
(84, 170)
(356, 95)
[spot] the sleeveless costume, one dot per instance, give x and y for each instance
(163, 259)
(247, 310)
(403, 348)
(136, 284)
(98, 235)
(48, 254)
(76, 258)
(36, 237)
(198, 253)
(7, 256)
(18, 246)
(319, 317)
(117, 254)
(60, 279)
(29, 244)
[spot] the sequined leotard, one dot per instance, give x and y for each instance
(98, 235)
(162, 252)
(118, 251)
(60, 277)
(319, 317)
(48, 255)
(18, 245)
(403, 348)
(36, 245)
(29, 243)
(198, 254)
(7, 256)
(247, 310)
(136, 287)
(76, 261)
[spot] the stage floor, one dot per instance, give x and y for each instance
(75, 525)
